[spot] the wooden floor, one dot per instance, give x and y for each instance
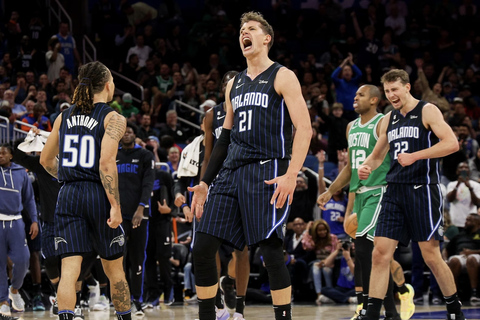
(254, 312)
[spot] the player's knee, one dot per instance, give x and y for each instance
(472, 262)
(273, 258)
(204, 252)
(379, 256)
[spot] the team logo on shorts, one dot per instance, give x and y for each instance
(440, 231)
(59, 240)
(118, 239)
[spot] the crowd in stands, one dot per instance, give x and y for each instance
(333, 50)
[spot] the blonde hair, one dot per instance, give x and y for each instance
(394, 75)
(258, 17)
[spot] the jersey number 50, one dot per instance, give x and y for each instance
(82, 153)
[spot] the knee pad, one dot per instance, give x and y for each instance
(204, 251)
(273, 257)
(52, 267)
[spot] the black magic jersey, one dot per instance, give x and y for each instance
(408, 134)
(80, 140)
(262, 127)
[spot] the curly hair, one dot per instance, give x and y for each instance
(258, 17)
(92, 78)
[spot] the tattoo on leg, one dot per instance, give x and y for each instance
(121, 296)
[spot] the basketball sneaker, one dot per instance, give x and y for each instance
(238, 316)
(17, 302)
(78, 313)
(222, 314)
(53, 301)
(407, 307)
(93, 294)
(5, 310)
(102, 304)
(453, 316)
(357, 315)
(227, 286)
(38, 303)
(137, 308)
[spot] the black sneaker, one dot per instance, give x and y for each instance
(137, 308)
(395, 317)
(453, 316)
(5, 317)
(227, 286)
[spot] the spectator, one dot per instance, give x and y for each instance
(129, 111)
(141, 50)
(468, 145)
(304, 197)
(474, 165)
(37, 119)
(132, 68)
(139, 14)
(346, 78)
(173, 159)
(145, 129)
(324, 244)
(17, 109)
(300, 258)
(463, 196)
(173, 128)
(463, 253)
(69, 48)
(135, 179)
(16, 194)
(344, 291)
(159, 153)
(336, 125)
(395, 21)
(433, 96)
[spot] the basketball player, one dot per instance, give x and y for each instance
(362, 135)
(239, 266)
(416, 136)
(263, 102)
(85, 137)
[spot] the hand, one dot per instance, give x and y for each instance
(340, 219)
(200, 192)
(285, 187)
(321, 264)
(323, 199)
(163, 208)
(137, 217)
(115, 217)
(179, 199)
(187, 212)
(35, 130)
(350, 57)
(406, 159)
(346, 254)
(364, 172)
(419, 63)
(33, 230)
(320, 157)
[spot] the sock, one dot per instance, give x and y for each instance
(389, 301)
(365, 302)
(474, 292)
(77, 304)
(65, 315)
(283, 312)
(206, 309)
(55, 287)
(402, 289)
(103, 290)
(126, 315)
(36, 288)
(240, 306)
(359, 295)
(453, 304)
(218, 300)
(373, 309)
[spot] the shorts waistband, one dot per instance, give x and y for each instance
(9, 217)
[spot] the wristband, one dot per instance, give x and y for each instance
(183, 206)
(320, 168)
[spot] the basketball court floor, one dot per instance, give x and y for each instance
(258, 312)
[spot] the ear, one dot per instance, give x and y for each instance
(408, 86)
(268, 38)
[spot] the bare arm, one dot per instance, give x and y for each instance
(433, 120)
(48, 158)
(115, 125)
(287, 85)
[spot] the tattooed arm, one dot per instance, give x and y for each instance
(115, 125)
(48, 158)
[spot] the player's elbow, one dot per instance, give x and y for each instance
(453, 146)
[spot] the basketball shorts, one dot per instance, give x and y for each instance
(411, 212)
(367, 206)
(81, 221)
(48, 239)
(238, 207)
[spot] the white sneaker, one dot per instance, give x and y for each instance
(94, 295)
(238, 316)
(78, 314)
(17, 302)
(5, 309)
(325, 300)
(102, 304)
(222, 314)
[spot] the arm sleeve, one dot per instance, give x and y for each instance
(148, 178)
(219, 154)
(28, 198)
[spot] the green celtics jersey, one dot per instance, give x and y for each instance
(361, 141)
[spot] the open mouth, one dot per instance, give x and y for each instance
(395, 101)
(247, 43)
